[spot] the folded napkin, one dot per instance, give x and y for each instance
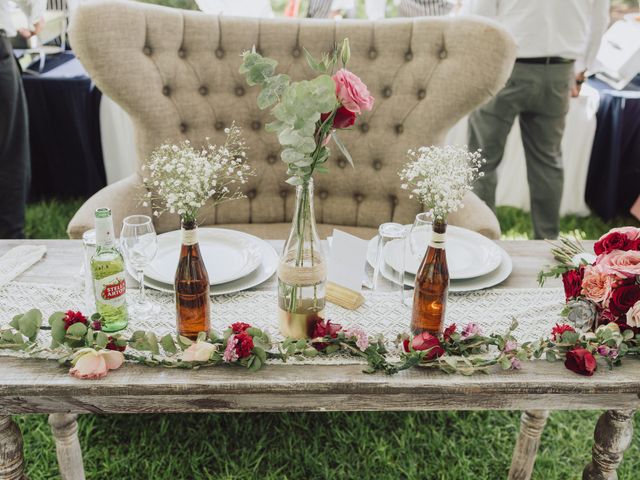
(19, 259)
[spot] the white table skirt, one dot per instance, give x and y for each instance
(119, 152)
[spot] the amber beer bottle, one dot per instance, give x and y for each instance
(432, 285)
(191, 286)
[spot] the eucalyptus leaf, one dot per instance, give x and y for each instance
(57, 330)
(168, 345)
(77, 330)
(102, 339)
(55, 316)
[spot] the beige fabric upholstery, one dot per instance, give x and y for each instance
(176, 73)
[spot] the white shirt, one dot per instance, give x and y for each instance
(550, 28)
(33, 9)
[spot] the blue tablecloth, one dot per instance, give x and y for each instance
(613, 182)
(64, 128)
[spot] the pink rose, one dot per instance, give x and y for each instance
(92, 364)
(623, 264)
(596, 285)
(633, 315)
(198, 352)
(632, 233)
(352, 93)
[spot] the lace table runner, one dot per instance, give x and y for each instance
(536, 310)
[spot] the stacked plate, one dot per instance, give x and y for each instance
(474, 261)
(234, 260)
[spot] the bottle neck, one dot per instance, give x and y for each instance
(305, 213)
(104, 233)
(438, 235)
(189, 233)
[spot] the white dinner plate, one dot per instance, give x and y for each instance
(491, 279)
(264, 272)
(469, 254)
(227, 254)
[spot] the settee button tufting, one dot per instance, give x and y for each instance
(251, 194)
(203, 90)
(364, 127)
(377, 164)
(147, 50)
(220, 52)
(256, 125)
(296, 52)
(399, 129)
(442, 54)
(182, 53)
(239, 91)
(358, 197)
(272, 159)
(219, 125)
(394, 200)
(342, 162)
(284, 193)
(323, 194)
(408, 56)
(373, 53)
(166, 90)
(386, 91)
(183, 127)
(422, 93)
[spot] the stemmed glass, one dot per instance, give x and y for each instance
(139, 244)
(416, 242)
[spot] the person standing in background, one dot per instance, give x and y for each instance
(424, 8)
(557, 42)
(15, 162)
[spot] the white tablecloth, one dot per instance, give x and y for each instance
(118, 147)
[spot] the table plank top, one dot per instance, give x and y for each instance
(29, 385)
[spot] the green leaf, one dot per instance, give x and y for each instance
(628, 335)
(310, 352)
(202, 336)
(570, 337)
(15, 322)
(29, 323)
(77, 330)
(55, 316)
(260, 353)
(301, 344)
(153, 343)
(57, 330)
(317, 66)
(342, 148)
(184, 342)
(551, 356)
(102, 339)
(168, 345)
(256, 364)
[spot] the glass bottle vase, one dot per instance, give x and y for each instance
(432, 285)
(302, 272)
(191, 286)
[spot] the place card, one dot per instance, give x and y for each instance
(347, 260)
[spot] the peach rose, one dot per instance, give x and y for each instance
(198, 352)
(94, 364)
(633, 315)
(352, 92)
(623, 264)
(596, 285)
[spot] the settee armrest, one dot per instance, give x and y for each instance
(476, 216)
(123, 198)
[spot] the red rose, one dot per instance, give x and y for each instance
(450, 330)
(244, 344)
(425, 341)
(239, 327)
(322, 329)
(572, 281)
(623, 298)
(614, 241)
(580, 360)
(558, 330)
(72, 317)
(343, 118)
(112, 345)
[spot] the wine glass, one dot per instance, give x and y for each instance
(139, 244)
(386, 232)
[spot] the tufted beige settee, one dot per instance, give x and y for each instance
(176, 74)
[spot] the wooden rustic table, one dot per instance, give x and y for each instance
(40, 386)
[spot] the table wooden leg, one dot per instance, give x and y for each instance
(11, 456)
(65, 433)
(612, 437)
(524, 454)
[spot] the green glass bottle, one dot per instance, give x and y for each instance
(107, 271)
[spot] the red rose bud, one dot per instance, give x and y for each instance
(72, 317)
(343, 118)
(112, 345)
(582, 361)
(613, 241)
(239, 327)
(558, 330)
(425, 341)
(572, 281)
(244, 344)
(623, 298)
(450, 330)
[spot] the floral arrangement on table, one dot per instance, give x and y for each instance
(602, 291)
(79, 341)
(307, 114)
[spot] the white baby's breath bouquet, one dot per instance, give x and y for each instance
(181, 178)
(440, 177)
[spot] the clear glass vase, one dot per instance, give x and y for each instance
(302, 271)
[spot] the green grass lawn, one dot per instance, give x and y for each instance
(417, 445)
